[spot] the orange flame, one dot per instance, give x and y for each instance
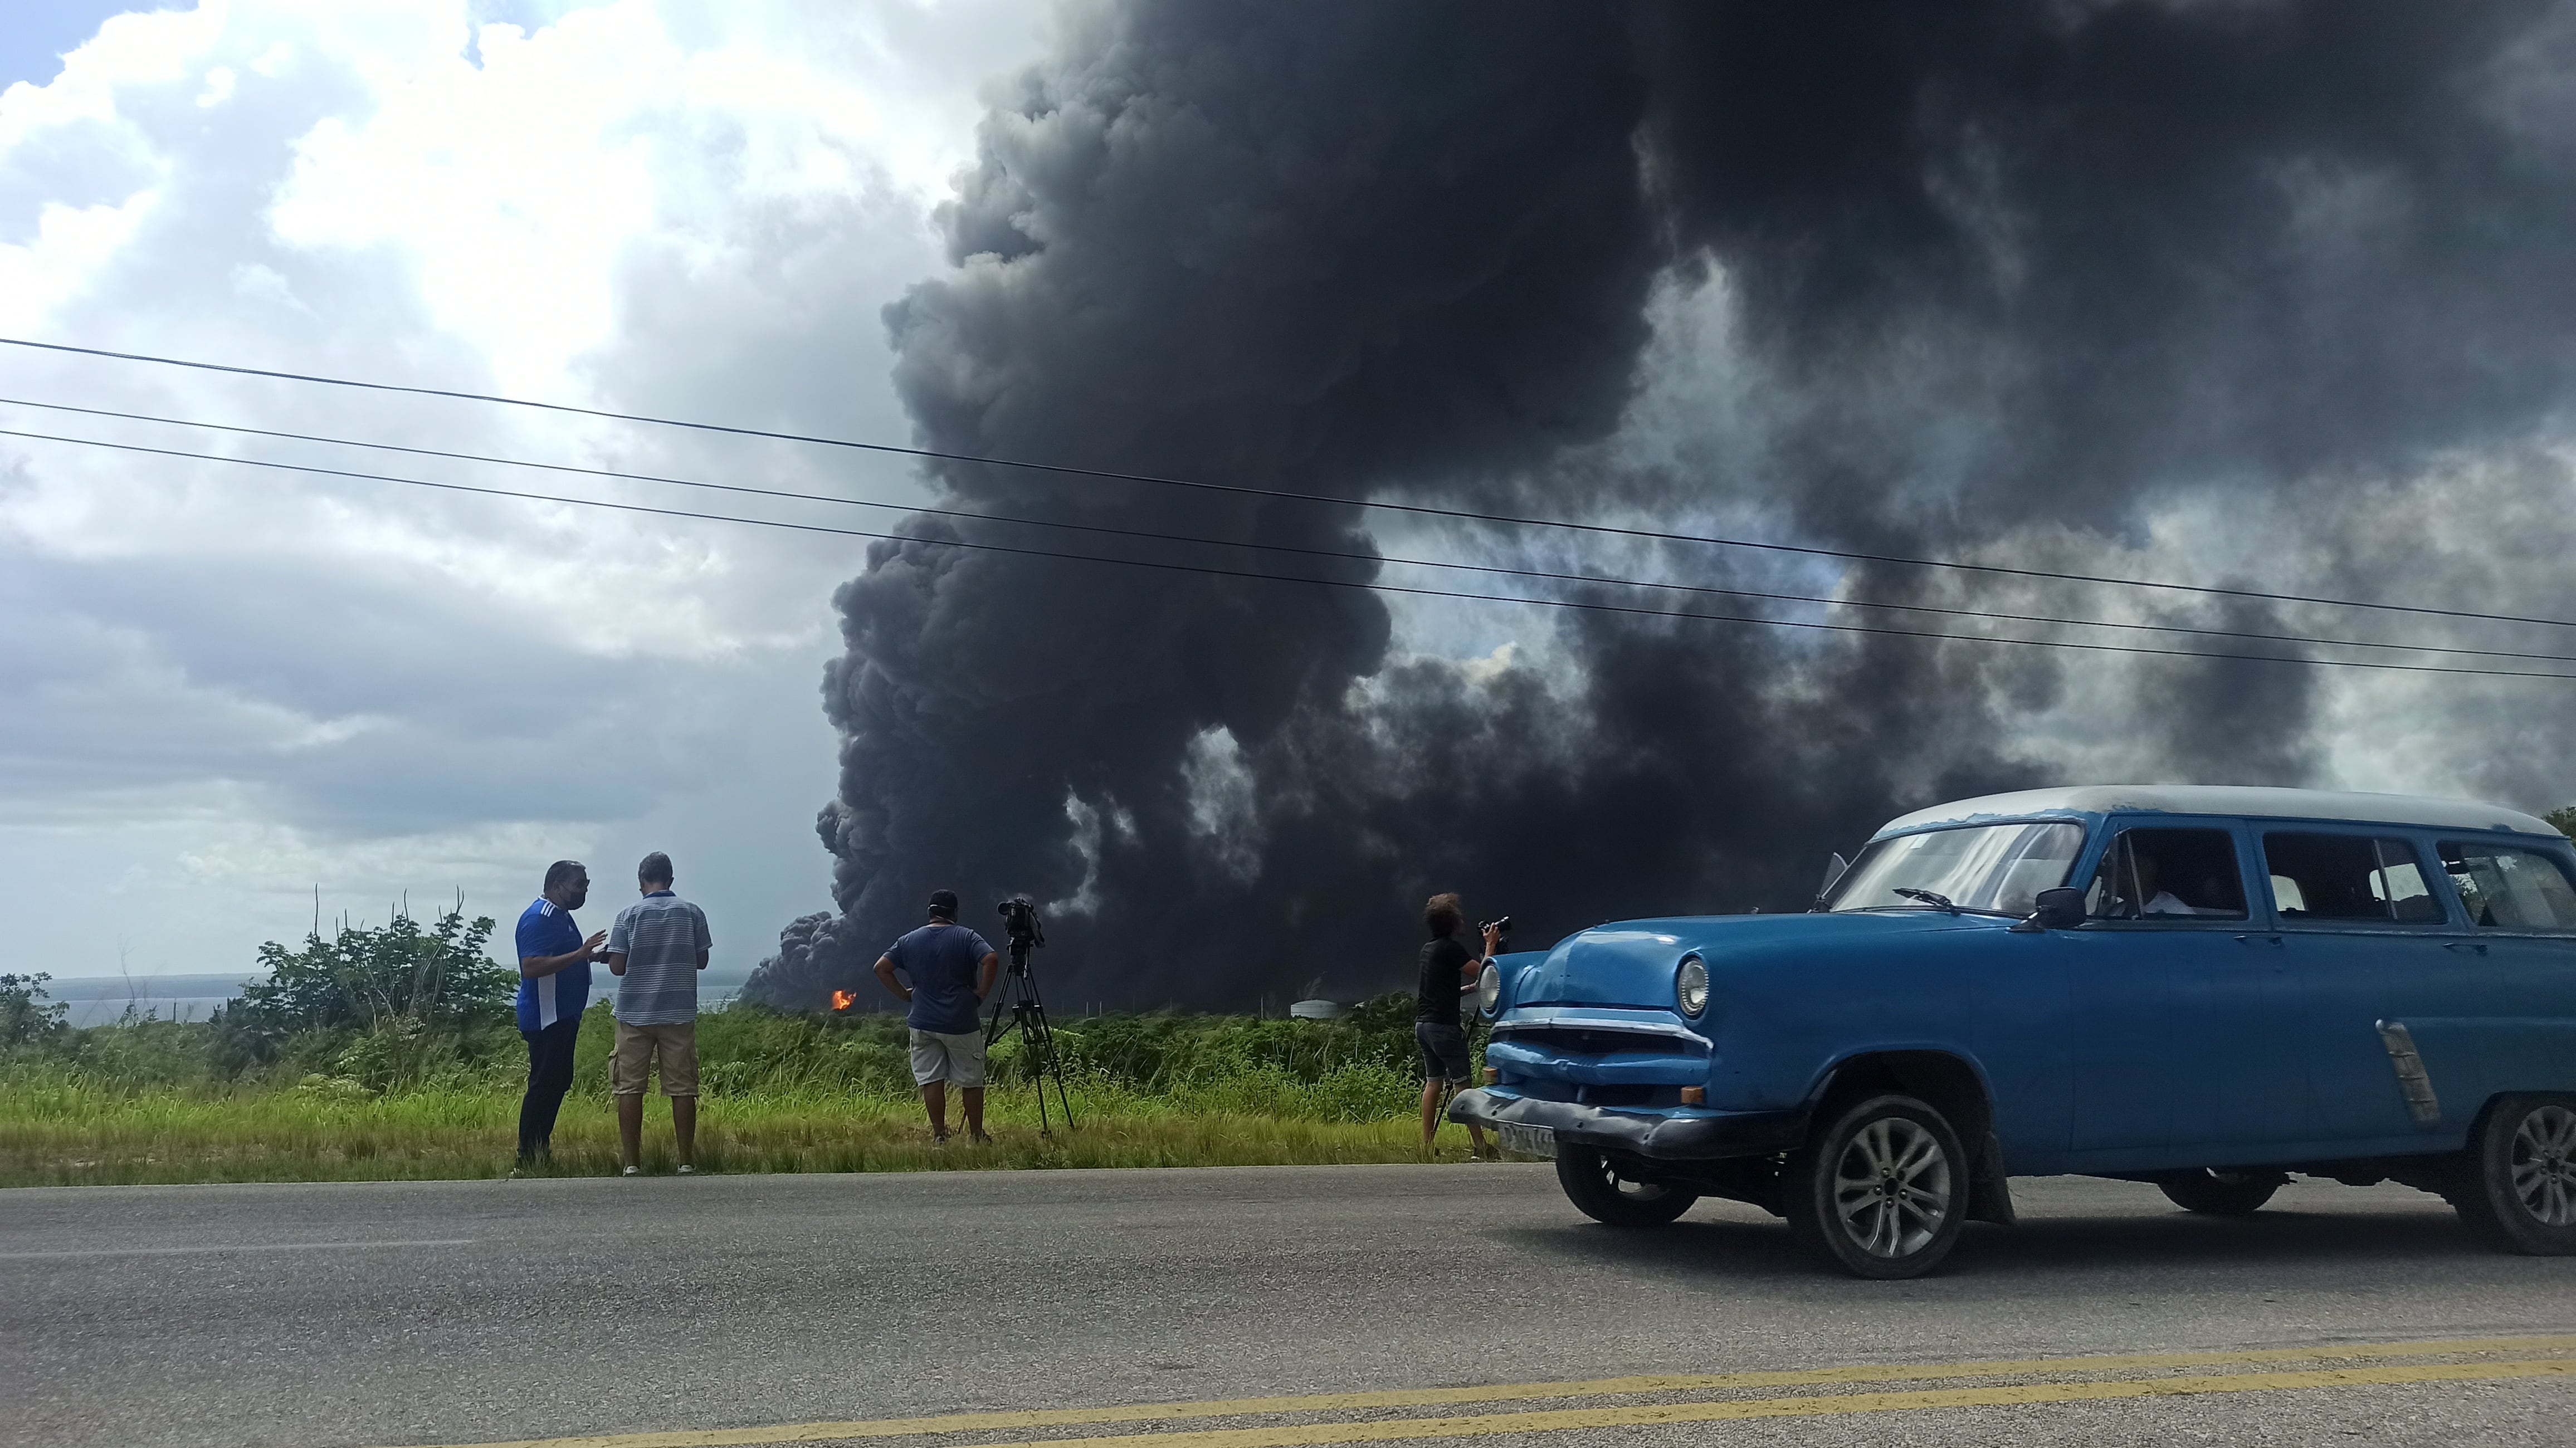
(842, 1000)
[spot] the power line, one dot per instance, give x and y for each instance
(1419, 509)
(1334, 553)
(1586, 605)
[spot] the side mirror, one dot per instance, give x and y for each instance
(2058, 909)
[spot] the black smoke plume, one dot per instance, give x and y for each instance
(2021, 282)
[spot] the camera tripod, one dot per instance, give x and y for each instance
(1018, 994)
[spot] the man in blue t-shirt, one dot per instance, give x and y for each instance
(554, 986)
(952, 970)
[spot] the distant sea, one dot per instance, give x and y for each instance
(98, 999)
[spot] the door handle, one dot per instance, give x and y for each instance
(2266, 939)
(2478, 947)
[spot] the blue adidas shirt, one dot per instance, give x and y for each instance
(547, 929)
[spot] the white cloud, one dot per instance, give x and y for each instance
(71, 244)
(230, 685)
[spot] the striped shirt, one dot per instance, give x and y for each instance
(660, 936)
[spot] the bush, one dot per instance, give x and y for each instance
(26, 1018)
(1361, 1068)
(385, 1005)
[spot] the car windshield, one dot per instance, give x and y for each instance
(1997, 869)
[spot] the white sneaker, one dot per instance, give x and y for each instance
(632, 1171)
(687, 1170)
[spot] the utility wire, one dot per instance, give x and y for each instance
(1343, 554)
(1419, 509)
(1587, 605)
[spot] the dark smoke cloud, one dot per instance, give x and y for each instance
(1997, 277)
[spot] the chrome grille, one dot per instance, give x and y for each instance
(1578, 1041)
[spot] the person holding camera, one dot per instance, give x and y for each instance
(1448, 972)
(951, 971)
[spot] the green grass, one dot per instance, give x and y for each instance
(75, 1136)
(784, 1094)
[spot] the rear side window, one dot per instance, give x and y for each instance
(2349, 877)
(2509, 888)
(2156, 874)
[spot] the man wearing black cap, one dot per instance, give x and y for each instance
(952, 970)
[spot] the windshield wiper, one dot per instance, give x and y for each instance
(1929, 897)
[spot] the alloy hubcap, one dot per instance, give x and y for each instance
(1892, 1187)
(2544, 1166)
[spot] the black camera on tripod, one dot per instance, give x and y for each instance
(1017, 996)
(1020, 921)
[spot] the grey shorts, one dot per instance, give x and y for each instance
(943, 1056)
(1444, 1051)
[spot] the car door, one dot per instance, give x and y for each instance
(2506, 1020)
(2366, 935)
(2172, 999)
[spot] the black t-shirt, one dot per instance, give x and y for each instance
(1444, 963)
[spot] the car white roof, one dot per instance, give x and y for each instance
(2227, 799)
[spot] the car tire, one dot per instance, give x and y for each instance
(2516, 1189)
(2222, 1193)
(1882, 1190)
(1603, 1195)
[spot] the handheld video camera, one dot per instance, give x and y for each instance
(1502, 928)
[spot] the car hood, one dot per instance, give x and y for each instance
(1631, 962)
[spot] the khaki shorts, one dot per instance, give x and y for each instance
(939, 1056)
(637, 1046)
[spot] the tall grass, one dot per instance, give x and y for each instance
(783, 1093)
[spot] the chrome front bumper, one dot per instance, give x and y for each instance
(1706, 1136)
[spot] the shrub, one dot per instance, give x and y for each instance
(26, 1017)
(393, 999)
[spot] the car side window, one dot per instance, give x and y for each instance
(2349, 877)
(2506, 888)
(2167, 874)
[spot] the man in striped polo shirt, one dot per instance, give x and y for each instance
(656, 949)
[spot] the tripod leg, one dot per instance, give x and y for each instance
(1032, 1022)
(1037, 1043)
(1053, 1066)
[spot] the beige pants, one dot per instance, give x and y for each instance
(638, 1046)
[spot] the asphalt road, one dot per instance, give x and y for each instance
(466, 1312)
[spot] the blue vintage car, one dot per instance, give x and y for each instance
(2204, 988)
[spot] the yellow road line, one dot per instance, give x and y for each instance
(1020, 1421)
(1651, 1414)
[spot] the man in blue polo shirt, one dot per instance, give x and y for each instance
(951, 971)
(554, 987)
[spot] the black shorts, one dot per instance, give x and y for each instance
(1444, 1051)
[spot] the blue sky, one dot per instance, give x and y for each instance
(34, 35)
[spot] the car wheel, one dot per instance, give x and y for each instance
(2518, 1184)
(1882, 1191)
(2222, 1193)
(1605, 1196)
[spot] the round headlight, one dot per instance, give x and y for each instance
(1489, 989)
(1690, 986)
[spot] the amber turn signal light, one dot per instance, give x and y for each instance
(1694, 1096)
(1492, 1075)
